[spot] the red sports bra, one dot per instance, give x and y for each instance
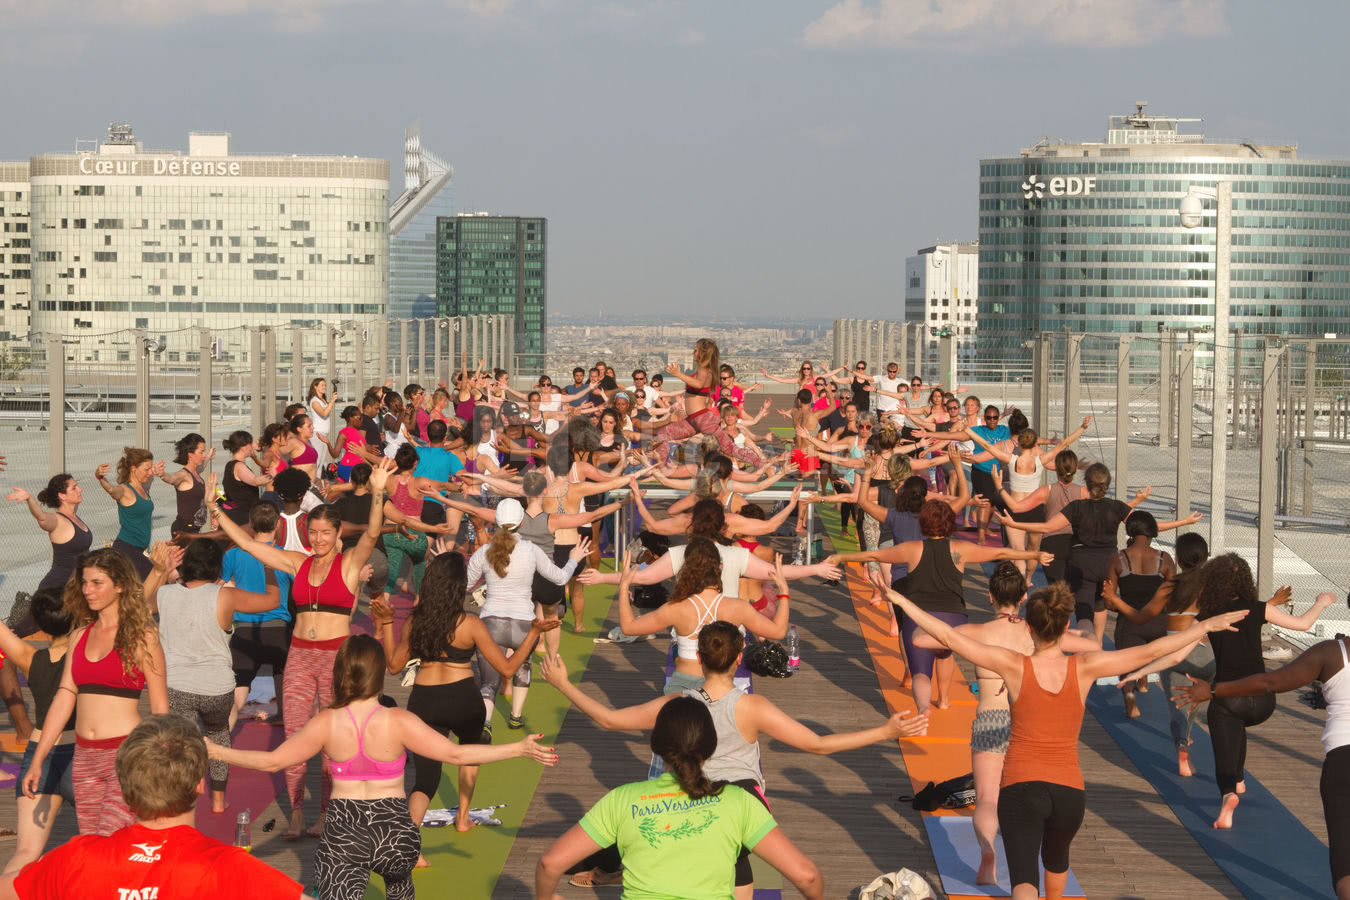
(752, 546)
(331, 596)
(104, 676)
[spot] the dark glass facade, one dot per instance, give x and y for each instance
(1115, 257)
(495, 265)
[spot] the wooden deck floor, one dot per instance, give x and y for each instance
(841, 809)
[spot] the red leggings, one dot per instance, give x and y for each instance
(308, 683)
(705, 421)
(99, 808)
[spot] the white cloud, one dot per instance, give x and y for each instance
(983, 23)
(690, 37)
(287, 15)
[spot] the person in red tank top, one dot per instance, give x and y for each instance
(115, 655)
(160, 768)
(324, 592)
(1041, 800)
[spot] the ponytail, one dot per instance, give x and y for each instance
(685, 737)
(499, 550)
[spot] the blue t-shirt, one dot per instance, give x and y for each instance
(436, 463)
(993, 436)
(249, 574)
(576, 389)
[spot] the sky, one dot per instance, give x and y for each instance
(715, 157)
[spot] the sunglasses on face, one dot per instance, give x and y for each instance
(726, 377)
(859, 368)
(820, 384)
(991, 418)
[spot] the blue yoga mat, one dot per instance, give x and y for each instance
(1268, 853)
(957, 855)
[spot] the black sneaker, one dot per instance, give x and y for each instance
(486, 736)
(515, 722)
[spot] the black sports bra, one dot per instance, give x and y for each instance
(455, 654)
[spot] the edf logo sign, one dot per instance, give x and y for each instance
(1034, 188)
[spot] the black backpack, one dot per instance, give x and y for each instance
(954, 793)
(767, 658)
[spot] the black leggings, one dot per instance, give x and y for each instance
(454, 707)
(1038, 816)
(1229, 718)
(1059, 545)
(257, 644)
(1336, 808)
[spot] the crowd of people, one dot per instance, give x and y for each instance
(430, 492)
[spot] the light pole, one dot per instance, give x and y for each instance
(1192, 216)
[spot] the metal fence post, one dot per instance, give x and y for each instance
(142, 350)
(1121, 476)
(332, 368)
(403, 351)
(359, 358)
(1167, 349)
(903, 353)
(255, 383)
(1266, 500)
(1185, 409)
(1073, 345)
(1040, 382)
(381, 331)
(947, 362)
(274, 404)
(835, 354)
(297, 364)
(1309, 421)
(56, 404)
(206, 394)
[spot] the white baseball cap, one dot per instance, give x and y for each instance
(510, 513)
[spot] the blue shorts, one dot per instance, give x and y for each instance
(344, 473)
(55, 777)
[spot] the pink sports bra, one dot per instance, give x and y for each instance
(361, 767)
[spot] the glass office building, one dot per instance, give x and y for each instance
(128, 238)
(495, 265)
(1087, 237)
(412, 238)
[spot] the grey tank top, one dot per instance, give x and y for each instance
(735, 759)
(1061, 495)
(196, 648)
(535, 530)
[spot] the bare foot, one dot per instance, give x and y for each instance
(463, 824)
(1184, 767)
(908, 682)
(944, 703)
(988, 873)
(296, 828)
(219, 806)
(1242, 787)
(579, 628)
(877, 601)
(1143, 686)
(316, 830)
(1225, 819)
(1131, 708)
(421, 862)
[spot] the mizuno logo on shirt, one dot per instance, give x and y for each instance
(149, 853)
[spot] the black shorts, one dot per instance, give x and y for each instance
(1036, 514)
(545, 592)
(982, 485)
(1335, 789)
(432, 513)
(257, 644)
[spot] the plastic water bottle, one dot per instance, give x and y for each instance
(243, 837)
(793, 648)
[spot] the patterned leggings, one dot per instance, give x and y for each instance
(396, 546)
(308, 683)
(99, 808)
(871, 539)
(364, 836)
(705, 421)
(215, 715)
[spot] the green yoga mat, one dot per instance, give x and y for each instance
(466, 866)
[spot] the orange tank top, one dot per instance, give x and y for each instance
(1043, 739)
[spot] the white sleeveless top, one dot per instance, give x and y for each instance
(1336, 690)
(1024, 482)
(686, 646)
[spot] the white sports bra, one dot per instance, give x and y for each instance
(1336, 691)
(1025, 482)
(686, 646)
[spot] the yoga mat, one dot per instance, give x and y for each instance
(945, 751)
(957, 854)
(1268, 852)
(247, 789)
(468, 864)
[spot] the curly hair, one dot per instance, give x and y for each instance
(131, 458)
(1227, 585)
(440, 606)
(134, 618)
(707, 519)
(702, 569)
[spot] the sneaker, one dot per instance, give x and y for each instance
(515, 723)
(486, 736)
(1277, 653)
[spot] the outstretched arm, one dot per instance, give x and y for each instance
(1275, 615)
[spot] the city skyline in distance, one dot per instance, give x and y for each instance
(690, 157)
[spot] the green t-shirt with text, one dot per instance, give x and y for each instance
(674, 848)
